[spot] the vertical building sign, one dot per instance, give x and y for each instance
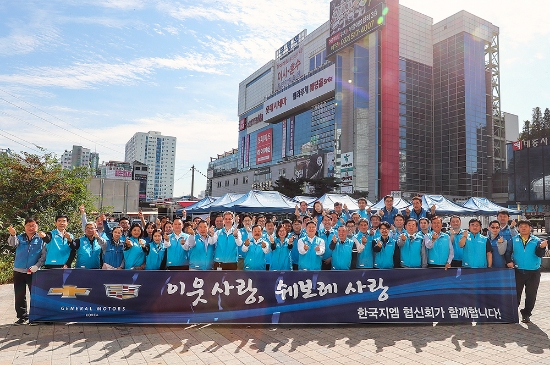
(283, 144)
(291, 137)
(264, 144)
(247, 151)
(243, 141)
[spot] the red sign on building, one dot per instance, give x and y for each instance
(264, 146)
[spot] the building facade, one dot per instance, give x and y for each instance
(414, 106)
(158, 153)
(79, 156)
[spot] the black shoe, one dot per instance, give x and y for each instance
(20, 322)
(525, 319)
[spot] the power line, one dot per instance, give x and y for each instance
(47, 121)
(19, 143)
(24, 121)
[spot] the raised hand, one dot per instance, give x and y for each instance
(403, 237)
(11, 230)
(41, 234)
(364, 240)
(128, 242)
(334, 238)
(317, 248)
(306, 248)
(544, 244)
(500, 240)
(247, 242)
(67, 235)
(513, 223)
(82, 209)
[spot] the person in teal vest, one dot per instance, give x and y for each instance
(29, 257)
(499, 244)
(59, 244)
(134, 250)
(363, 211)
(424, 228)
(311, 249)
(176, 256)
(365, 256)
(525, 257)
(341, 247)
(398, 226)
(478, 253)
(268, 235)
(246, 231)
(455, 233)
(386, 253)
(228, 238)
(411, 246)
(88, 248)
(155, 252)
(255, 250)
(201, 247)
(280, 250)
(438, 245)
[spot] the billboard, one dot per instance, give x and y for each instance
(283, 144)
(291, 137)
(289, 69)
(310, 168)
(264, 146)
(351, 20)
(319, 84)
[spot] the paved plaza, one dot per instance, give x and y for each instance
(262, 344)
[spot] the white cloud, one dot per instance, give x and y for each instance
(25, 37)
(90, 75)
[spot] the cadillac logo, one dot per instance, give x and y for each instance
(122, 291)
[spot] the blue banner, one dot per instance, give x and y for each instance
(357, 296)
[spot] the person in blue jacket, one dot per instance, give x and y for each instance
(113, 253)
(255, 250)
(389, 212)
(525, 257)
(155, 252)
(297, 233)
(326, 232)
(246, 231)
(201, 247)
(311, 249)
(176, 256)
(499, 244)
(478, 253)
(29, 257)
(386, 252)
(280, 250)
(363, 211)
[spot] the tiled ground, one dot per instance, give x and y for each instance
(312, 344)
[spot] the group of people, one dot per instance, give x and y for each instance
(316, 240)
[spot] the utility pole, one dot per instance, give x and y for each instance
(192, 180)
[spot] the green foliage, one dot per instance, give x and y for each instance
(36, 185)
(538, 126)
(322, 186)
(289, 187)
(359, 194)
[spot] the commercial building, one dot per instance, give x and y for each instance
(118, 170)
(158, 153)
(80, 156)
(380, 97)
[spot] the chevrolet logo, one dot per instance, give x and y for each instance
(69, 291)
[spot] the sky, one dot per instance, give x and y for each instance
(94, 72)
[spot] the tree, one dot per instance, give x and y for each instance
(536, 123)
(359, 194)
(322, 186)
(289, 187)
(526, 132)
(546, 121)
(36, 185)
